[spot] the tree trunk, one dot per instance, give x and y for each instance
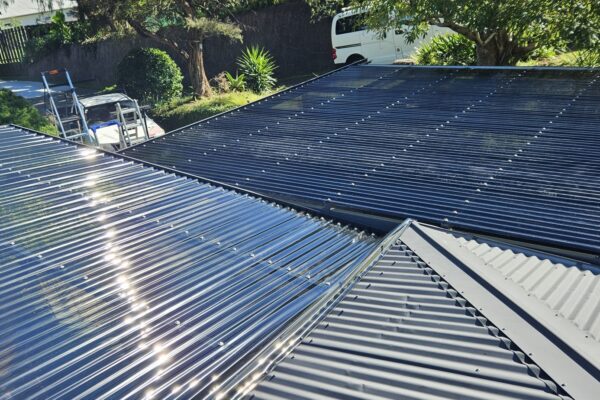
(501, 50)
(196, 69)
(487, 53)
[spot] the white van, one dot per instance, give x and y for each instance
(352, 42)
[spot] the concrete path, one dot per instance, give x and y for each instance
(26, 89)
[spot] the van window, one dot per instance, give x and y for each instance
(349, 24)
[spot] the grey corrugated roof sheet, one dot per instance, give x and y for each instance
(562, 292)
(119, 280)
(403, 333)
(509, 152)
(430, 321)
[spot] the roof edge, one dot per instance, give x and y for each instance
(489, 67)
(571, 370)
(288, 89)
(554, 254)
(310, 212)
(388, 220)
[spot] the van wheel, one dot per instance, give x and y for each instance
(354, 58)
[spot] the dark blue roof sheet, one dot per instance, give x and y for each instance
(118, 280)
(507, 152)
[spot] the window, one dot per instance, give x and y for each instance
(349, 24)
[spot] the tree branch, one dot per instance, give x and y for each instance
(521, 51)
(187, 8)
(463, 30)
(139, 28)
(489, 38)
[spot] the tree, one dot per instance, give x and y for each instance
(504, 31)
(181, 25)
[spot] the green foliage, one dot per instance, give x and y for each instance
(180, 25)
(248, 5)
(237, 83)
(566, 59)
(588, 58)
(37, 47)
(450, 49)
(221, 83)
(185, 111)
(59, 33)
(542, 53)
(43, 43)
(203, 27)
(16, 110)
(108, 89)
(258, 66)
(150, 75)
(321, 9)
(504, 31)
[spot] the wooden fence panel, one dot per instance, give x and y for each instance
(12, 44)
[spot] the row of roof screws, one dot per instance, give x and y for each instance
(224, 115)
(528, 143)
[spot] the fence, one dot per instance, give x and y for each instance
(12, 44)
(299, 47)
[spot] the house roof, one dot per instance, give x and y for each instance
(561, 293)
(424, 322)
(508, 152)
(21, 8)
(122, 280)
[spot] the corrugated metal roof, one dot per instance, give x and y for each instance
(403, 333)
(508, 152)
(119, 280)
(563, 293)
(572, 290)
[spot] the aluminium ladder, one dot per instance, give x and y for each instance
(132, 124)
(68, 113)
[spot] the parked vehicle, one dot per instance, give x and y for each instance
(352, 41)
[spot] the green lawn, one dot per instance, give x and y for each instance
(568, 59)
(187, 110)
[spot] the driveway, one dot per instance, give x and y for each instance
(27, 89)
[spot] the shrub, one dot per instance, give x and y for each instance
(588, 58)
(220, 83)
(60, 33)
(16, 110)
(42, 43)
(258, 67)
(37, 47)
(449, 49)
(237, 83)
(150, 75)
(542, 53)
